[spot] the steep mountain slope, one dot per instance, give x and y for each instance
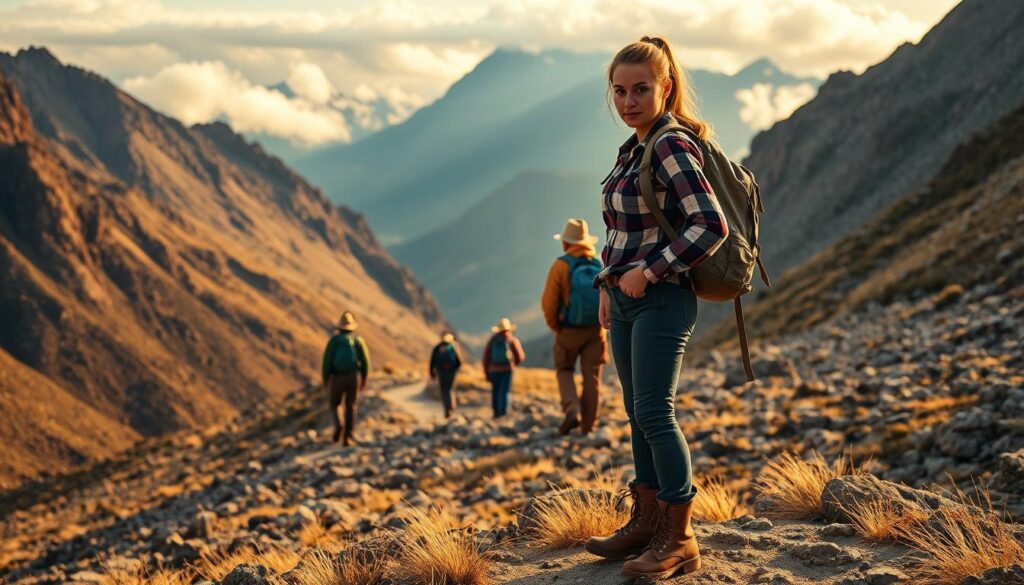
(867, 139)
(159, 276)
(962, 229)
(514, 113)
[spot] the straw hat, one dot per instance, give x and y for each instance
(447, 337)
(347, 322)
(576, 231)
(503, 325)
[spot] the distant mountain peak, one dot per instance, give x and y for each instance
(762, 66)
(38, 54)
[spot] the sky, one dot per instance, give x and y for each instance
(201, 59)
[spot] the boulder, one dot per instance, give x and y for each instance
(851, 490)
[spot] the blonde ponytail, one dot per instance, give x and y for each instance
(657, 52)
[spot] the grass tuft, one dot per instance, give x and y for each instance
(716, 502)
(883, 521)
(436, 551)
(791, 487)
(966, 539)
(215, 566)
(569, 517)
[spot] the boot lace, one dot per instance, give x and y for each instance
(662, 533)
(634, 511)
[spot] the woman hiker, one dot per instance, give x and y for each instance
(346, 365)
(445, 361)
(502, 354)
(648, 304)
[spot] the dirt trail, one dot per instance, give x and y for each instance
(414, 400)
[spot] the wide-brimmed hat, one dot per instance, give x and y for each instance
(447, 337)
(347, 322)
(576, 231)
(503, 325)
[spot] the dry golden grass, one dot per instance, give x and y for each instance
(882, 521)
(571, 516)
(716, 502)
(436, 551)
(361, 567)
(216, 565)
(962, 540)
(144, 576)
(792, 486)
(315, 534)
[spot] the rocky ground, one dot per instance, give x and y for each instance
(932, 389)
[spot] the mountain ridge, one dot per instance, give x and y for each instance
(166, 276)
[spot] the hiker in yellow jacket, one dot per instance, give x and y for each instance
(570, 304)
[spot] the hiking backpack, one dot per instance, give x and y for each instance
(499, 351)
(583, 297)
(346, 356)
(729, 273)
(446, 357)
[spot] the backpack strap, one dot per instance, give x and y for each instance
(742, 330)
(647, 180)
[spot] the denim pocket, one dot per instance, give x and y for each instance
(653, 297)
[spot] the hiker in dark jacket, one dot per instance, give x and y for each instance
(346, 365)
(502, 354)
(570, 304)
(445, 361)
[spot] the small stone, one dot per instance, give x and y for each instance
(884, 576)
(248, 574)
(837, 530)
(822, 554)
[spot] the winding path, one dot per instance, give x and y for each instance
(413, 399)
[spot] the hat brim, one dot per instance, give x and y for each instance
(588, 240)
(350, 327)
(500, 329)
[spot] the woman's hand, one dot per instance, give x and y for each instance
(633, 283)
(604, 311)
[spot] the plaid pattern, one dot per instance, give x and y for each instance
(684, 194)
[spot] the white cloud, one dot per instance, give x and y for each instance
(204, 91)
(308, 81)
(764, 104)
(421, 40)
(421, 48)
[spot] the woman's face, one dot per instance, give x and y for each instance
(639, 98)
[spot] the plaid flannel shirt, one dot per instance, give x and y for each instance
(685, 196)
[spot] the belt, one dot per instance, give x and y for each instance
(612, 280)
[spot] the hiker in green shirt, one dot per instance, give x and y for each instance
(346, 365)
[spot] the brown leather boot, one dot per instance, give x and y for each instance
(631, 539)
(673, 549)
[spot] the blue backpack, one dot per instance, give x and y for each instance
(583, 297)
(499, 351)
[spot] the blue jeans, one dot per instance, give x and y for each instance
(501, 384)
(648, 338)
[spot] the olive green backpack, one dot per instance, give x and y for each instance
(729, 273)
